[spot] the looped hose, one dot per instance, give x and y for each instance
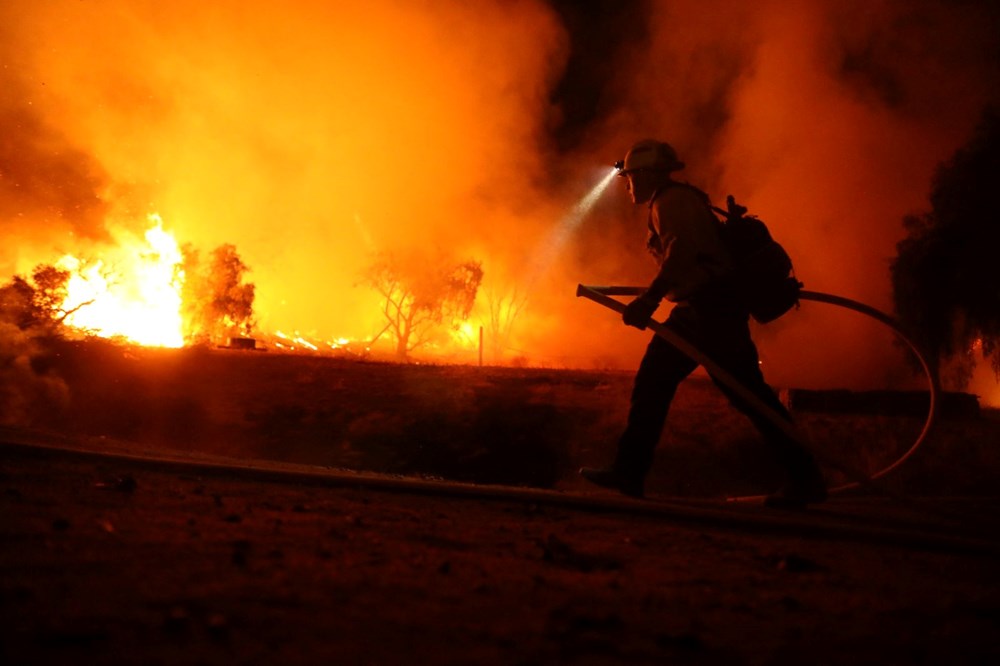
(602, 295)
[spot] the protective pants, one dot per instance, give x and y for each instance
(721, 330)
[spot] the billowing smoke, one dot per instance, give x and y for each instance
(312, 134)
(827, 119)
(308, 134)
(49, 187)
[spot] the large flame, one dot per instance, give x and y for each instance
(314, 134)
(134, 292)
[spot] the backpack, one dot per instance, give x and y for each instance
(763, 275)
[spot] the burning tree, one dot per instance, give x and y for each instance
(946, 277)
(217, 303)
(418, 296)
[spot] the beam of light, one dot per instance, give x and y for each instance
(559, 236)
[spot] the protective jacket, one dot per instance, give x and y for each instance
(684, 239)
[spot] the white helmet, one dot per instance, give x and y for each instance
(649, 154)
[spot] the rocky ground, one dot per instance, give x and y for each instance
(111, 561)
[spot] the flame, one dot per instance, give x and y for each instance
(134, 292)
(465, 334)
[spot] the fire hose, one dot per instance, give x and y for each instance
(602, 295)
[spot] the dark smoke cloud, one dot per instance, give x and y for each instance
(827, 119)
(49, 187)
(310, 134)
(44, 177)
(603, 35)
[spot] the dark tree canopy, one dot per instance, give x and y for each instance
(946, 276)
(35, 302)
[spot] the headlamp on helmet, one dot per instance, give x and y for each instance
(649, 154)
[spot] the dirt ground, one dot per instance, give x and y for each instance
(513, 426)
(109, 561)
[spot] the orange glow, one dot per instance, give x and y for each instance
(984, 381)
(308, 134)
(465, 334)
(132, 292)
(311, 135)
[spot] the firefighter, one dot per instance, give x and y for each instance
(684, 239)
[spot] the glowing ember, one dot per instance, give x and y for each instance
(297, 342)
(294, 342)
(134, 292)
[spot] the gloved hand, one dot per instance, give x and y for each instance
(638, 312)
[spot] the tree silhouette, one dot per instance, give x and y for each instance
(36, 302)
(504, 309)
(419, 295)
(946, 276)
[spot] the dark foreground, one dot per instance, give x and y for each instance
(106, 561)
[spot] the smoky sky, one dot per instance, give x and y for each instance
(312, 134)
(827, 119)
(601, 36)
(45, 180)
